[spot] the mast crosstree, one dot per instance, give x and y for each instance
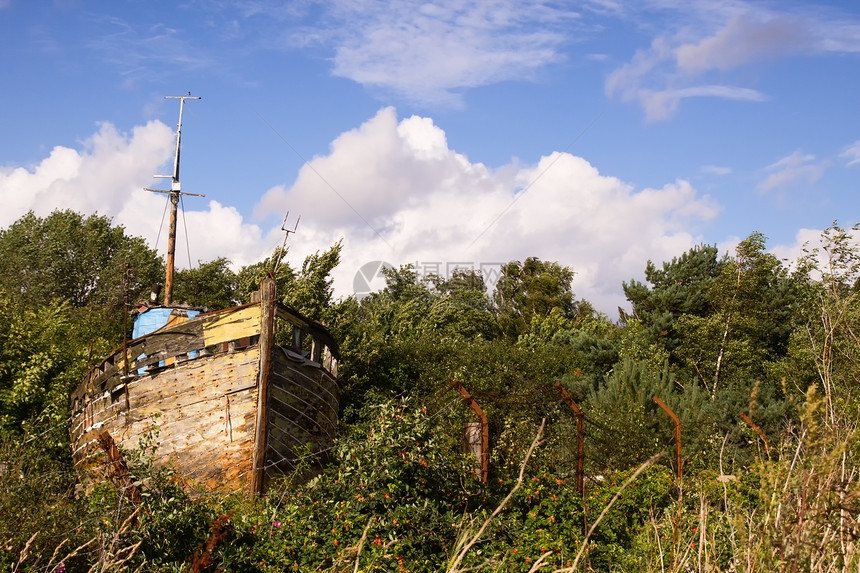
(175, 192)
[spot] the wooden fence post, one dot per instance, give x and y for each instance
(580, 437)
(485, 430)
(677, 431)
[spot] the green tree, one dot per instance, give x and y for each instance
(751, 304)
(213, 285)
(825, 350)
(249, 277)
(312, 293)
(80, 260)
(531, 288)
(64, 280)
(461, 307)
(309, 291)
(39, 363)
(679, 287)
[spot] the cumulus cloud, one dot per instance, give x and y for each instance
(99, 177)
(798, 166)
(433, 207)
(394, 191)
(107, 175)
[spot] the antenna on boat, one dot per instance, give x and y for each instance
(174, 193)
(286, 236)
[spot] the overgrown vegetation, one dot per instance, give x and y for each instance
(711, 336)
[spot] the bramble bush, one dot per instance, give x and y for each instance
(393, 473)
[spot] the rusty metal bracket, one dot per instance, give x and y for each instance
(118, 471)
(580, 437)
(485, 429)
(677, 431)
(755, 427)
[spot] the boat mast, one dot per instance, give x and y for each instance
(175, 192)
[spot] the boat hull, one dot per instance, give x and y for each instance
(195, 392)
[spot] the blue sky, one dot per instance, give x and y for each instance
(598, 134)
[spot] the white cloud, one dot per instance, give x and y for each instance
(716, 170)
(661, 105)
(107, 175)
(627, 80)
(432, 205)
(852, 154)
(426, 52)
(99, 177)
(713, 39)
(795, 167)
(633, 82)
(429, 204)
(745, 38)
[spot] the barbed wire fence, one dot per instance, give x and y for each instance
(97, 531)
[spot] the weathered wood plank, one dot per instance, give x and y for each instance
(215, 375)
(171, 340)
(292, 419)
(242, 323)
(180, 398)
(327, 398)
(312, 378)
(176, 340)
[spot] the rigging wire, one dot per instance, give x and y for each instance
(323, 179)
(535, 180)
(185, 226)
(161, 225)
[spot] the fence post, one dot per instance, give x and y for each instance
(485, 429)
(759, 431)
(580, 437)
(677, 431)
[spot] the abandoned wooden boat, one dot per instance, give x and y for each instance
(230, 407)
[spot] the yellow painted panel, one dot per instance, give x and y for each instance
(232, 326)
